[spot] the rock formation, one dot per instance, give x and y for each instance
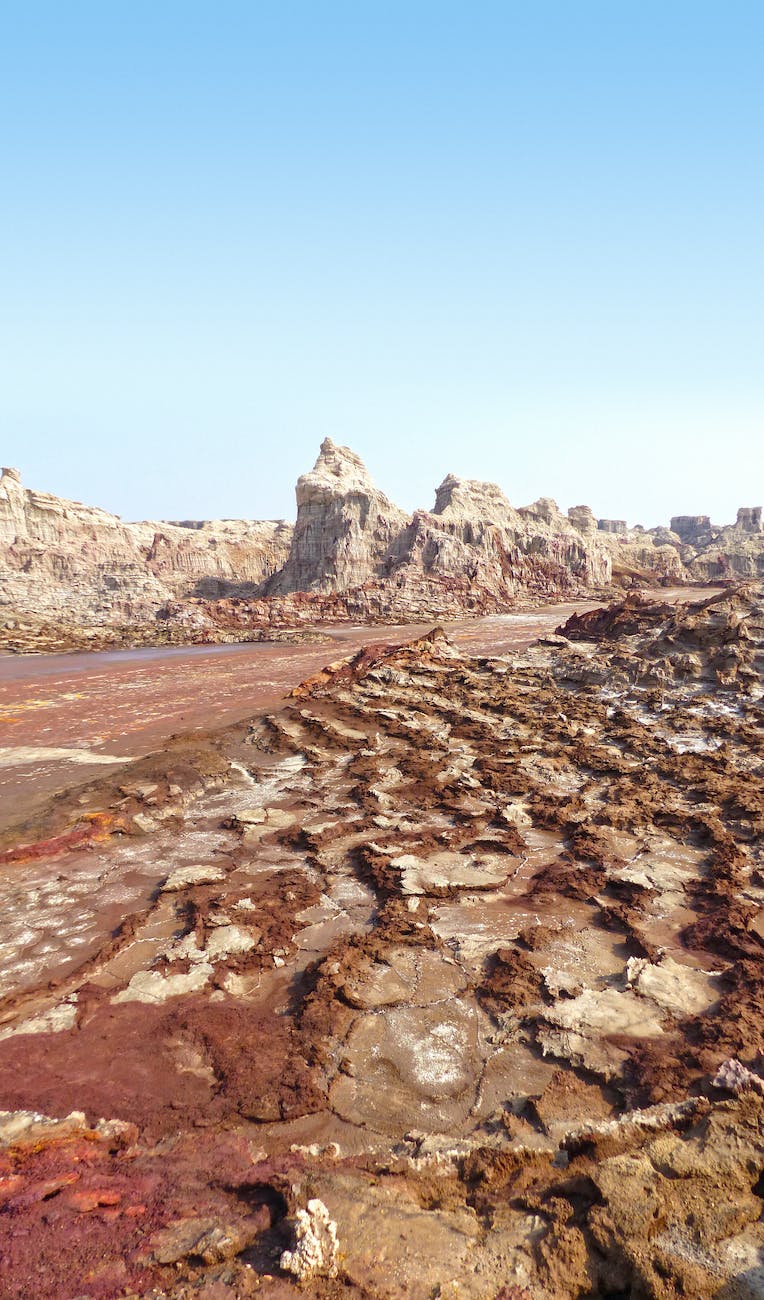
(692, 530)
(691, 550)
(733, 552)
(444, 978)
(473, 552)
(345, 527)
(73, 576)
(62, 561)
(637, 556)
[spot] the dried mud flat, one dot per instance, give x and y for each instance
(442, 980)
(65, 716)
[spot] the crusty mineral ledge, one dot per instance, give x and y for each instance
(465, 951)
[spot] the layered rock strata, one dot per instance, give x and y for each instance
(72, 576)
(691, 550)
(63, 562)
(345, 527)
(443, 979)
(732, 552)
(472, 552)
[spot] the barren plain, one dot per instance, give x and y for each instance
(439, 977)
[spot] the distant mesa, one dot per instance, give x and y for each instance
(691, 528)
(749, 519)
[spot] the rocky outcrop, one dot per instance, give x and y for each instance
(582, 518)
(344, 530)
(637, 556)
(733, 552)
(749, 519)
(691, 550)
(66, 561)
(473, 552)
(692, 530)
(72, 574)
(443, 978)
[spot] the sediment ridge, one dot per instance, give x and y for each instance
(443, 979)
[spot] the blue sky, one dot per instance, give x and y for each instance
(516, 241)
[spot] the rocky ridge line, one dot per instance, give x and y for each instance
(66, 564)
(72, 576)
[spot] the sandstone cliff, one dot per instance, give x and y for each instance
(64, 560)
(692, 549)
(352, 555)
(345, 527)
(472, 552)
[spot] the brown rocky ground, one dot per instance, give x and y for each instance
(229, 622)
(446, 976)
(68, 717)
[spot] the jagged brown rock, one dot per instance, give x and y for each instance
(548, 1086)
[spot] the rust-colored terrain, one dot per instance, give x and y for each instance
(66, 717)
(442, 979)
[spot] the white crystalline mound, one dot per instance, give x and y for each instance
(182, 877)
(316, 1250)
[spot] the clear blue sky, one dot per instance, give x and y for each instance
(517, 241)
